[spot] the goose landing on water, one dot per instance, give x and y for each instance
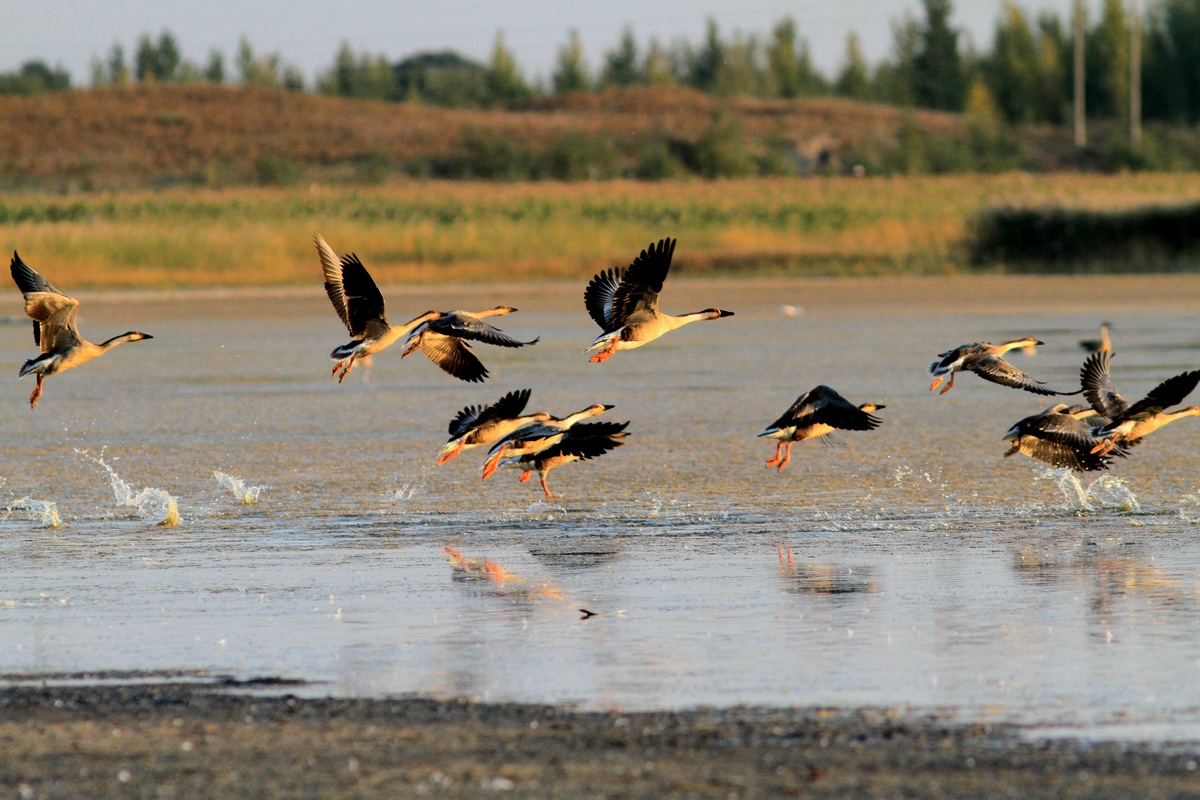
(817, 413)
(624, 303)
(53, 315)
(987, 361)
(1061, 436)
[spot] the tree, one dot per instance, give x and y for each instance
(704, 64)
(362, 76)
(34, 77)
(1171, 73)
(657, 66)
(621, 65)
(255, 70)
(783, 70)
(854, 80)
(1012, 70)
(118, 71)
(939, 80)
(214, 70)
(738, 72)
(1108, 63)
(571, 74)
(444, 78)
(505, 84)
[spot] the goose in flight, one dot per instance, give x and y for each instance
(1061, 436)
(443, 340)
(53, 315)
(537, 436)
(1131, 423)
(624, 303)
(987, 361)
(475, 426)
(817, 413)
(581, 442)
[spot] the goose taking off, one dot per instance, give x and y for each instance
(536, 436)
(624, 303)
(53, 315)
(1130, 423)
(987, 361)
(816, 413)
(443, 340)
(579, 443)
(475, 426)
(1061, 436)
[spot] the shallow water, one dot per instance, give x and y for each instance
(309, 535)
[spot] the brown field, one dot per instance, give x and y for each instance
(432, 232)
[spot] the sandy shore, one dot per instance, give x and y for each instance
(193, 741)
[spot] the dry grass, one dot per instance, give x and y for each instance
(436, 232)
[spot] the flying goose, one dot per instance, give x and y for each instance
(987, 361)
(53, 315)
(1061, 436)
(443, 339)
(1130, 423)
(536, 436)
(818, 412)
(581, 442)
(475, 426)
(624, 303)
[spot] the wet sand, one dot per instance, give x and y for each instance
(192, 741)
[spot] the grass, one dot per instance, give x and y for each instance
(454, 231)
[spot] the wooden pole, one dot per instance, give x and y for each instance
(1080, 111)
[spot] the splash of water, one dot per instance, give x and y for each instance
(42, 511)
(1106, 491)
(152, 504)
(246, 495)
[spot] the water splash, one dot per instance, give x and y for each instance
(152, 504)
(246, 495)
(1106, 492)
(42, 511)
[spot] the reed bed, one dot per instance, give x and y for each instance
(464, 232)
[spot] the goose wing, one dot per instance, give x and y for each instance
(1098, 388)
(331, 267)
(354, 295)
(638, 293)
(824, 405)
(53, 313)
(1168, 393)
(1059, 454)
(469, 326)
(598, 297)
(584, 441)
(997, 370)
(507, 407)
(454, 356)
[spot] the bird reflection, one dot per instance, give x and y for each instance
(488, 572)
(1107, 579)
(824, 579)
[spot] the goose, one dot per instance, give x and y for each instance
(475, 426)
(537, 436)
(581, 442)
(53, 315)
(1101, 345)
(624, 303)
(1061, 436)
(442, 338)
(987, 361)
(817, 413)
(1131, 423)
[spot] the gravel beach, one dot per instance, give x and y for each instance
(182, 740)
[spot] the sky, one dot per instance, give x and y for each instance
(308, 33)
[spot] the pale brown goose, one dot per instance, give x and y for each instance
(817, 413)
(1101, 345)
(475, 426)
(443, 338)
(537, 436)
(624, 303)
(581, 442)
(53, 314)
(987, 361)
(1130, 423)
(1061, 436)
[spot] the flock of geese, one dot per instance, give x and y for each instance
(623, 301)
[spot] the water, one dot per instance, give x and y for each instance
(915, 569)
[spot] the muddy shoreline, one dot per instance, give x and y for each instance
(194, 740)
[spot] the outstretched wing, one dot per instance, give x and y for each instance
(364, 302)
(642, 281)
(598, 297)
(466, 326)
(997, 370)
(1098, 388)
(583, 441)
(331, 267)
(1168, 393)
(454, 356)
(825, 406)
(508, 407)
(53, 313)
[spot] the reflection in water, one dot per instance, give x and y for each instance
(1107, 579)
(824, 579)
(505, 582)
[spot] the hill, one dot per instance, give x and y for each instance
(211, 135)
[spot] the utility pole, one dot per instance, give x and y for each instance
(1080, 111)
(1135, 75)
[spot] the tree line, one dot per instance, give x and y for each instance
(1026, 75)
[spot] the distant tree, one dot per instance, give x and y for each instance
(783, 70)
(1107, 63)
(444, 78)
(157, 62)
(854, 80)
(34, 77)
(1171, 72)
(505, 83)
(571, 73)
(704, 64)
(621, 65)
(738, 72)
(1013, 70)
(895, 79)
(362, 76)
(214, 70)
(939, 79)
(118, 70)
(1053, 90)
(657, 66)
(256, 70)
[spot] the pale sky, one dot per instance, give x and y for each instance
(307, 33)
